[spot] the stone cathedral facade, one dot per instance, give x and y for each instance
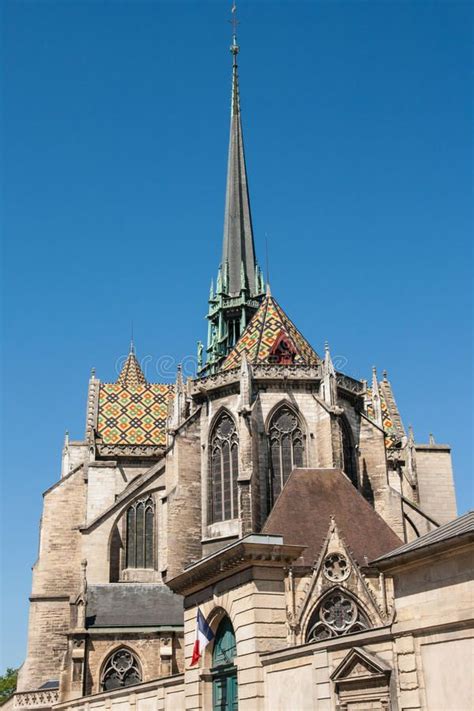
(284, 498)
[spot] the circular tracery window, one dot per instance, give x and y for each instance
(336, 567)
(337, 614)
(226, 427)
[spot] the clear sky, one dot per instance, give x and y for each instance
(358, 127)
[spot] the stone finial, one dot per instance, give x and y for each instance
(92, 373)
(84, 576)
(385, 376)
(432, 439)
(200, 349)
(329, 385)
(376, 402)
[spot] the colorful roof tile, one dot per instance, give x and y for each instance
(391, 420)
(267, 331)
(133, 414)
(131, 373)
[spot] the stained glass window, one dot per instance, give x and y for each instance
(141, 533)
(121, 669)
(224, 471)
(286, 449)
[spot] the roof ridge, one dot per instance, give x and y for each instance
(262, 324)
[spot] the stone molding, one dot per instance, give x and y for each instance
(235, 557)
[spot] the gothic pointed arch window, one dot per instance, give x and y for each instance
(223, 470)
(122, 668)
(140, 521)
(336, 614)
(286, 449)
(349, 462)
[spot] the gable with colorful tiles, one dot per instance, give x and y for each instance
(267, 327)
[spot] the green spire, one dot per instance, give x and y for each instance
(239, 285)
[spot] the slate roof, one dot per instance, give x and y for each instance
(264, 329)
(238, 249)
(302, 514)
(133, 605)
(461, 526)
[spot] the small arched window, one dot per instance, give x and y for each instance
(348, 451)
(337, 614)
(121, 669)
(286, 449)
(141, 533)
(224, 470)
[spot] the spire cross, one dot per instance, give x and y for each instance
(234, 48)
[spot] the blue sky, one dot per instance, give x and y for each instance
(358, 128)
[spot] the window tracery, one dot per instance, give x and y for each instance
(336, 567)
(224, 470)
(286, 449)
(122, 669)
(140, 533)
(337, 614)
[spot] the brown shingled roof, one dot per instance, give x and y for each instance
(303, 511)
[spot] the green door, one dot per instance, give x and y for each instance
(224, 672)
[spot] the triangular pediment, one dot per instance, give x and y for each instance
(269, 331)
(360, 664)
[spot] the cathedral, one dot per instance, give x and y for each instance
(281, 499)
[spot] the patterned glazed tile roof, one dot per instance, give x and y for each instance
(131, 373)
(133, 414)
(132, 411)
(266, 329)
(391, 420)
(387, 422)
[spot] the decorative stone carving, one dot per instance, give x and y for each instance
(336, 567)
(36, 699)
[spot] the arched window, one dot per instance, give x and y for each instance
(286, 449)
(140, 533)
(121, 669)
(348, 453)
(224, 470)
(224, 673)
(337, 614)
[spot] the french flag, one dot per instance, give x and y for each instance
(204, 635)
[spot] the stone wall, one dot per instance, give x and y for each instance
(160, 695)
(56, 577)
(435, 481)
(255, 604)
(183, 499)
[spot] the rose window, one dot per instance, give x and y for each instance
(337, 614)
(336, 567)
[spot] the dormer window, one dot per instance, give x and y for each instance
(283, 351)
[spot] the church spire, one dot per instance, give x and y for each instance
(239, 285)
(238, 247)
(131, 374)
